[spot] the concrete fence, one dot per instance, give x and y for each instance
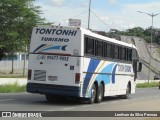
(6, 66)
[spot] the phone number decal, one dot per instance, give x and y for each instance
(52, 57)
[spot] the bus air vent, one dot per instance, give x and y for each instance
(40, 75)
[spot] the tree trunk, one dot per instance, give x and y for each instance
(24, 64)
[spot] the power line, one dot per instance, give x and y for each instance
(100, 19)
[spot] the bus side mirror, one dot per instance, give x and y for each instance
(139, 67)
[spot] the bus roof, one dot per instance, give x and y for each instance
(112, 40)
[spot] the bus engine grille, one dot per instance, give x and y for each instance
(40, 75)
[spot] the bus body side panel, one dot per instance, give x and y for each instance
(115, 76)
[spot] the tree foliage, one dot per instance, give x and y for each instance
(143, 33)
(17, 17)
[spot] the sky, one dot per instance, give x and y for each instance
(105, 14)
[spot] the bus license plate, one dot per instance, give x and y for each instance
(52, 78)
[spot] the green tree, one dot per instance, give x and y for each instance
(17, 17)
(140, 32)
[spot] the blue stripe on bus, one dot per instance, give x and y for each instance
(109, 69)
(106, 78)
(91, 68)
(113, 74)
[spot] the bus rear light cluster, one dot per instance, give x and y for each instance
(77, 78)
(29, 74)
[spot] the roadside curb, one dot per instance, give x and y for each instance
(20, 81)
(146, 81)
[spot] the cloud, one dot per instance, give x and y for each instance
(57, 2)
(60, 15)
(112, 1)
(124, 18)
(119, 23)
(105, 18)
(142, 20)
(148, 7)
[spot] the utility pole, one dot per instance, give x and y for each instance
(89, 13)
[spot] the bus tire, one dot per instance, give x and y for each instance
(49, 98)
(100, 92)
(126, 96)
(93, 94)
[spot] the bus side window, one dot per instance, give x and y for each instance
(112, 51)
(127, 57)
(130, 54)
(89, 46)
(85, 44)
(120, 53)
(108, 50)
(123, 53)
(116, 52)
(99, 48)
(104, 49)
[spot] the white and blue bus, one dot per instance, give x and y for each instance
(75, 62)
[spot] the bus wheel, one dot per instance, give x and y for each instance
(99, 96)
(50, 98)
(93, 94)
(126, 96)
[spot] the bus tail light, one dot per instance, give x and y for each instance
(77, 78)
(29, 74)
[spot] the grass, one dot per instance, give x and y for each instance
(14, 88)
(152, 118)
(147, 85)
(13, 76)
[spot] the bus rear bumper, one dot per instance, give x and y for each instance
(58, 90)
